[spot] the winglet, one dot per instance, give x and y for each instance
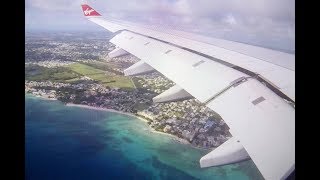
(89, 11)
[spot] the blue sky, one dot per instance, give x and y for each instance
(269, 23)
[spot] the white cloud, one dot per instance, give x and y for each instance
(54, 5)
(256, 20)
(229, 19)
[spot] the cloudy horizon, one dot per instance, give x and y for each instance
(268, 23)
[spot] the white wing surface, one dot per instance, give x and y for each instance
(252, 88)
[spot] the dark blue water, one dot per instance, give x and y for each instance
(73, 143)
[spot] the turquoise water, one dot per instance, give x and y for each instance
(65, 142)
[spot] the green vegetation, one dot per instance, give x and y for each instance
(100, 76)
(141, 106)
(84, 69)
(139, 86)
(64, 94)
(39, 73)
(103, 66)
(75, 81)
(136, 82)
(159, 128)
(72, 74)
(178, 114)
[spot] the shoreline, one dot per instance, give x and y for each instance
(100, 109)
(43, 97)
(173, 137)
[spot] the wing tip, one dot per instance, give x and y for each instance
(89, 11)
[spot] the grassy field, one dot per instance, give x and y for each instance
(100, 76)
(73, 72)
(39, 73)
(84, 69)
(103, 66)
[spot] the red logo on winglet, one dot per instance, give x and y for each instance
(89, 11)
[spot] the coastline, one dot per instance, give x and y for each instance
(175, 138)
(43, 97)
(100, 108)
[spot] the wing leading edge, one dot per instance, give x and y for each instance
(274, 66)
(259, 116)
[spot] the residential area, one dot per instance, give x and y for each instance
(98, 81)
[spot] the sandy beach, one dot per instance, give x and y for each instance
(46, 98)
(101, 109)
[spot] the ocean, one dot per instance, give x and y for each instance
(75, 143)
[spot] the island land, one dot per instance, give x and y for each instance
(77, 71)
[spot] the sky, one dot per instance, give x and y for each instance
(267, 23)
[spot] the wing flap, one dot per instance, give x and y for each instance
(264, 123)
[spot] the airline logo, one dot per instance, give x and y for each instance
(88, 11)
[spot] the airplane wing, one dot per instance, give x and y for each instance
(252, 88)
